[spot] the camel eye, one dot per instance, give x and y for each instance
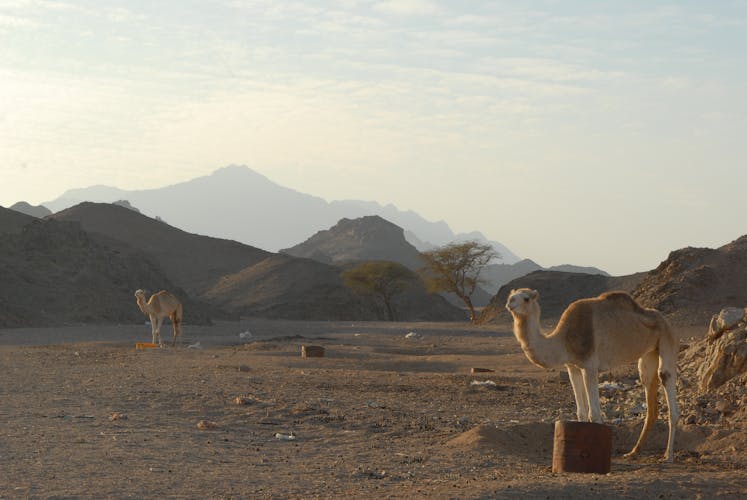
(526, 299)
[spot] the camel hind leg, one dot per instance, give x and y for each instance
(647, 368)
(176, 323)
(669, 348)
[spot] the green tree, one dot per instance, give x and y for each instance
(456, 268)
(381, 279)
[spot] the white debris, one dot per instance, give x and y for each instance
(611, 385)
(245, 335)
(483, 383)
(413, 336)
(285, 437)
(196, 345)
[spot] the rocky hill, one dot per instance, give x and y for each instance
(557, 290)
(695, 283)
(370, 238)
(282, 286)
(12, 222)
(55, 273)
(192, 261)
(689, 287)
(353, 240)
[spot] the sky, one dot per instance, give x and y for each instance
(599, 133)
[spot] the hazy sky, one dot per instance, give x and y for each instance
(595, 133)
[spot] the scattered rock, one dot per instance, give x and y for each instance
(312, 351)
(243, 400)
(117, 416)
(205, 425)
(481, 370)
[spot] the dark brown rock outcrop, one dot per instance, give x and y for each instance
(695, 283)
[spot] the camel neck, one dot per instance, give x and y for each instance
(144, 306)
(544, 351)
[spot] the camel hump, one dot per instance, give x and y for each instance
(651, 317)
(622, 299)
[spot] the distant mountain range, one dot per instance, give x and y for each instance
(83, 263)
(238, 203)
(28, 209)
(497, 275)
(243, 280)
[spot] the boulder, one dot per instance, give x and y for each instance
(725, 358)
(727, 319)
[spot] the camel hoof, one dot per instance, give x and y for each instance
(631, 454)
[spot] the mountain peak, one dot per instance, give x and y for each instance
(370, 237)
(39, 211)
(238, 171)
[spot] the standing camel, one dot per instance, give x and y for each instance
(159, 306)
(599, 334)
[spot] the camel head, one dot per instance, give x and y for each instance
(140, 294)
(523, 302)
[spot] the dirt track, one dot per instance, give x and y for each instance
(85, 414)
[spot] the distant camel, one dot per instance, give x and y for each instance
(161, 305)
(599, 334)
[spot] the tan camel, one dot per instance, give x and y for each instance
(159, 306)
(599, 334)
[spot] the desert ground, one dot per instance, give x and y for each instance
(85, 414)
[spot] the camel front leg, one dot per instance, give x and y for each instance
(577, 382)
(158, 331)
(591, 384)
(153, 321)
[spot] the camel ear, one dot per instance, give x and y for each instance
(534, 294)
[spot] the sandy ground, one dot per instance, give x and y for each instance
(85, 414)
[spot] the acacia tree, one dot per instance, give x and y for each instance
(456, 268)
(381, 279)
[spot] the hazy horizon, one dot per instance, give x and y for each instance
(597, 134)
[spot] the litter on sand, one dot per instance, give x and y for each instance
(413, 336)
(611, 385)
(483, 383)
(285, 437)
(196, 345)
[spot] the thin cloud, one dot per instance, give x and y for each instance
(408, 7)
